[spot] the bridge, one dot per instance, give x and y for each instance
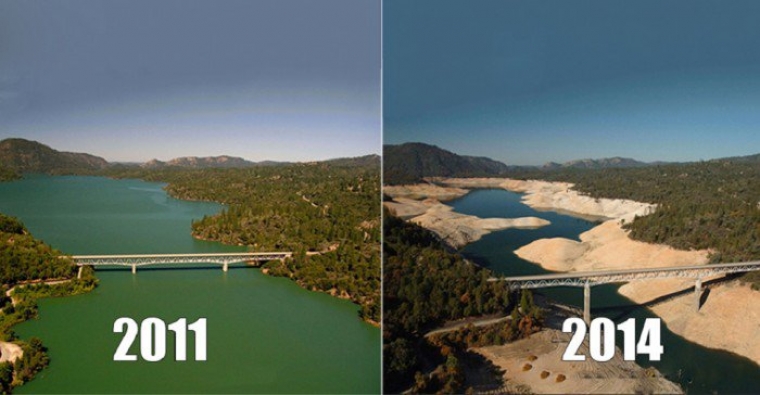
(589, 279)
(134, 261)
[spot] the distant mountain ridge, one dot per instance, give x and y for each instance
(743, 159)
(18, 156)
(223, 161)
(359, 161)
(604, 163)
(410, 162)
(25, 156)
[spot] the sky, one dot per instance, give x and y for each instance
(530, 82)
(289, 80)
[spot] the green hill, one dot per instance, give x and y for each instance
(7, 174)
(327, 213)
(24, 156)
(24, 263)
(410, 162)
(360, 161)
(24, 258)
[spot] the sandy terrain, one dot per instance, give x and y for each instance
(406, 208)
(458, 230)
(607, 247)
(455, 229)
(10, 352)
(420, 203)
(556, 196)
(543, 353)
(724, 320)
(424, 191)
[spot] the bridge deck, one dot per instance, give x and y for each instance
(214, 255)
(588, 279)
(610, 276)
(153, 259)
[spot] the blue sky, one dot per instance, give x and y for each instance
(133, 80)
(532, 82)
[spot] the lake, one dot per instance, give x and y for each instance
(698, 369)
(264, 334)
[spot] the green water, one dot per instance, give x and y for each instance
(698, 369)
(265, 334)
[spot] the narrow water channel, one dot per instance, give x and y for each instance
(698, 369)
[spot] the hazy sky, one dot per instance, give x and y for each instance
(139, 79)
(535, 81)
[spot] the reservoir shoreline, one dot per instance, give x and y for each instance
(261, 330)
(607, 246)
(300, 281)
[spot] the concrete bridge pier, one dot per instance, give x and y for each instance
(134, 269)
(79, 273)
(697, 294)
(226, 266)
(587, 303)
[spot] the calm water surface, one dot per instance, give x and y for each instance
(696, 368)
(264, 334)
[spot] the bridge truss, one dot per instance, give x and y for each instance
(589, 279)
(134, 261)
(581, 279)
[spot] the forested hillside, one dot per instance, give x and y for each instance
(24, 260)
(410, 162)
(327, 213)
(8, 174)
(424, 286)
(24, 156)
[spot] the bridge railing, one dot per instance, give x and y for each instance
(152, 259)
(581, 279)
(589, 279)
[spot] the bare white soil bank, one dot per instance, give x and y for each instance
(459, 229)
(723, 321)
(10, 352)
(455, 229)
(424, 191)
(556, 196)
(535, 365)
